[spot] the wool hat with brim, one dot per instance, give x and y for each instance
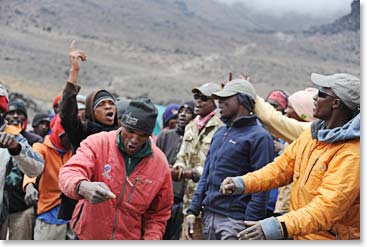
(234, 87)
(39, 117)
(140, 115)
(347, 87)
(206, 89)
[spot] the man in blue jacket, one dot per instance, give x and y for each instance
(239, 147)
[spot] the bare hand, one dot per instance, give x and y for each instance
(174, 172)
(189, 226)
(74, 56)
(252, 232)
(31, 195)
(227, 187)
(95, 192)
(8, 141)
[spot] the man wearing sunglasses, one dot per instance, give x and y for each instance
(196, 141)
(324, 165)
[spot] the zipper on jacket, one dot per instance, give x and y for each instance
(132, 189)
(210, 200)
(308, 175)
(117, 210)
(79, 214)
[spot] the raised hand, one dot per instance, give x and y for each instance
(8, 141)
(74, 56)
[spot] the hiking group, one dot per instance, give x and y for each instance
(227, 165)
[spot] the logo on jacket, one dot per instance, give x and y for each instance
(232, 141)
(107, 169)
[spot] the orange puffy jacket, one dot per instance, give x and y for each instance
(325, 199)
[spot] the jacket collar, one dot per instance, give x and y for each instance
(350, 130)
(241, 122)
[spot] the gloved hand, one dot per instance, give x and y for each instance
(31, 195)
(95, 192)
(253, 231)
(227, 187)
(189, 226)
(8, 141)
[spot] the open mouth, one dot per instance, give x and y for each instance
(131, 148)
(110, 116)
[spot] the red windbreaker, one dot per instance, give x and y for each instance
(143, 200)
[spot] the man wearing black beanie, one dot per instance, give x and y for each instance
(121, 179)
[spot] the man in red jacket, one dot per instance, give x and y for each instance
(121, 179)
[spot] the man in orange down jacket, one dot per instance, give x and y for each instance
(121, 179)
(323, 163)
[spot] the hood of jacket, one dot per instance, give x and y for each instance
(93, 125)
(350, 130)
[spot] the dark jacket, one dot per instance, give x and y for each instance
(238, 149)
(169, 141)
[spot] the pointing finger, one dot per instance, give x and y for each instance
(71, 47)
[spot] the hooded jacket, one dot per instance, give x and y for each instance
(74, 127)
(143, 200)
(324, 166)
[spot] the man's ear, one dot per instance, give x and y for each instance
(337, 103)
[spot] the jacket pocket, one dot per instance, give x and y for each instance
(142, 192)
(314, 177)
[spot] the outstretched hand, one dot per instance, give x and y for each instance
(74, 56)
(95, 192)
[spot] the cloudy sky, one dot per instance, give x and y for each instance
(309, 7)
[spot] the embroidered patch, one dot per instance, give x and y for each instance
(107, 169)
(130, 119)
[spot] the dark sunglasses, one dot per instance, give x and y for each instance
(322, 94)
(201, 96)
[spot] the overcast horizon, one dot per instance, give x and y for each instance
(314, 8)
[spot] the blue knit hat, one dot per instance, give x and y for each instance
(170, 112)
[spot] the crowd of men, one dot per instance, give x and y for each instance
(227, 165)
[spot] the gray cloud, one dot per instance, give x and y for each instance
(314, 8)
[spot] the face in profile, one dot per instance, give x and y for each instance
(203, 104)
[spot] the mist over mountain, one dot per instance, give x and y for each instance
(163, 48)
